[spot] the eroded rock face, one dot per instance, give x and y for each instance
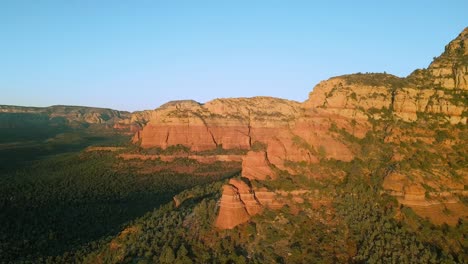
(294, 132)
(238, 203)
(450, 70)
(290, 132)
(440, 89)
(362, 97)
(256, 166)
(221, 122)
(238, 124)
(429, 198)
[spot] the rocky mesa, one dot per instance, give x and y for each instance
(426, 110)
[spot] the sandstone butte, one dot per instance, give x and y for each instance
(276, 132)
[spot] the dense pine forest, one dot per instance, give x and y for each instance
(67, 201)
(57, 199)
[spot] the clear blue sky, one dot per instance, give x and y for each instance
(135, 55)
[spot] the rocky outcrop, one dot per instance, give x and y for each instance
(232, 211)
(247, 196)
(363, 97)
(352, 96)
(416, 191)
(238, 203)
(437, 199)
(440, 89)
(450, 70)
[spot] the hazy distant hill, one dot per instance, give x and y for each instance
(27, 133)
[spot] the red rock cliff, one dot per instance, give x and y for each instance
(238, 203)
(280, 132)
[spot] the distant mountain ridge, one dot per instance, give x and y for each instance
(23, 116)
(92, 115)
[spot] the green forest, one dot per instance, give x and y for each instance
(65, 202)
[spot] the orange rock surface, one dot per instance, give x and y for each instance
(255, 165)
(232, 210)
(291, 132)
(239, 202)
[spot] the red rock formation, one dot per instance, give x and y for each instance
(238, 123)
(239, 202)
(306, 133)
(232, 211)
(247, 196)
(191, 134)
(294, 132)
(450, 69)
(256, 166)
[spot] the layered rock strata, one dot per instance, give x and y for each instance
(279, 132)
(238, 203)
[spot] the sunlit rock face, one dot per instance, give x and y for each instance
(450, 70)
(238, 203)
(276, 133)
